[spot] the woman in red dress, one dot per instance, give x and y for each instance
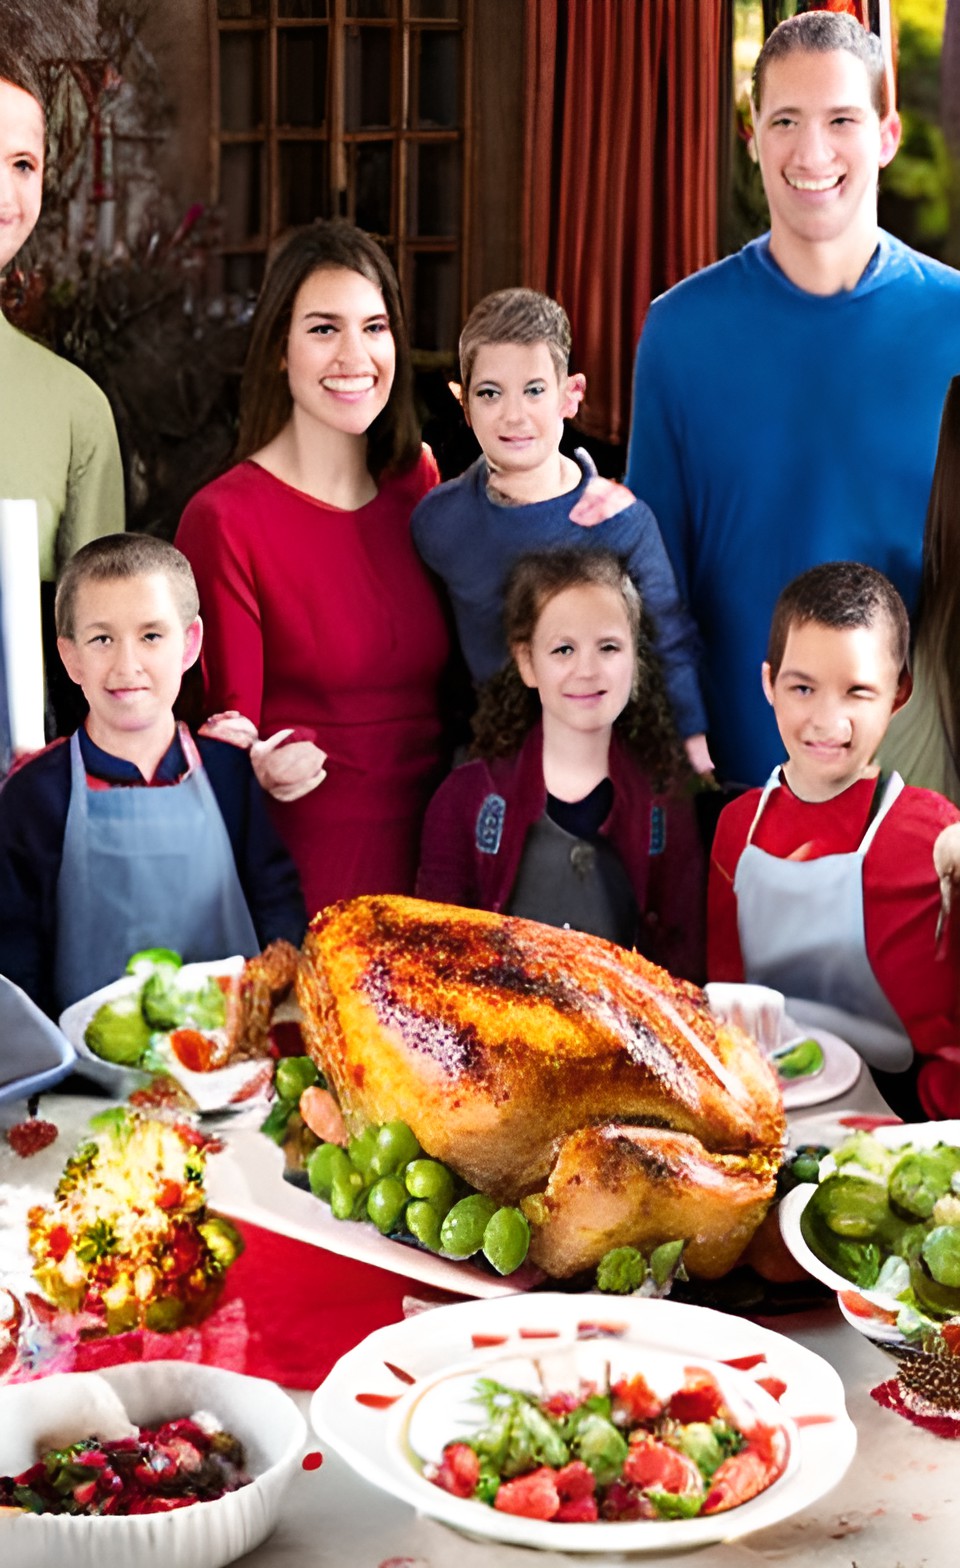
(320, 622)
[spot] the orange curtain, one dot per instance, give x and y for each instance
(622, 127)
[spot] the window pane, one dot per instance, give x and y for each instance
(241, 81)
(451, 9)
(371, 7)
(438, 78)
(304, 183)
(240, 10)
(371, 168)
(368, 94)
(243, 274)
(302, 76)
(435, 314)
(433, 189)
(241, 189)
(303, 8)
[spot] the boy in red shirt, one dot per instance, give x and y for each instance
(823, 883)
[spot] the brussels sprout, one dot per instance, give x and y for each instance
(118, 1031)
(931, 1294)
(162, 1001)
(852, 1207)
(292, 1075)
(941, 1254)
(920, 1177)
(150, 959)
(386, 1202)
(223, 1240)
(857, 1261)
(621, 1271)
(461, 1234)
(396, 1146)
(506, 1240)
(868, 1152)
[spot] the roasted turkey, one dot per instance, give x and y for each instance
(545, 1064)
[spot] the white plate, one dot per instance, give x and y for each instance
(246, 1182)
(841, 1069)
(383, 1366)
(213, 1091)
(867, 1310)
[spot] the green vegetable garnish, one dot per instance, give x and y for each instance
(118, 1032)
(152, 958)
(801, 1061)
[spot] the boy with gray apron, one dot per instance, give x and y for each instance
(801, 930)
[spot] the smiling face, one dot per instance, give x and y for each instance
(340, 357)
(128, 652)
(516, 406)
(21, 168)
(821, 145)
(833, 696)
(581, 659)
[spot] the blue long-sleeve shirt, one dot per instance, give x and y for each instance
(471, 542)
(773, 429)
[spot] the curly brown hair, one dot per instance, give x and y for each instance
(507, 709)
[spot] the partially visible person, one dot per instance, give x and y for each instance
(58, 442)
(524, 494)
(567, 814)
(132, 833)
(823, 884)
(320, 618)
(786, 400)
(923, 741)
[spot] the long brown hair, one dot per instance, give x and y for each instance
(507, 709)
(393, 440)
(938, 621)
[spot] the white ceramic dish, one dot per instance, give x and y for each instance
(34, 1055)
(213, 1091)
(204, 1536)
(872, 1312)
(246, 1182)
(362, 1406)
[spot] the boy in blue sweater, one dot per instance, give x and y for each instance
(524, 494)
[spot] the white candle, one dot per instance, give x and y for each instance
(20, 622)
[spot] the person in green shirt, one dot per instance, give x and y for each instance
(58, 442)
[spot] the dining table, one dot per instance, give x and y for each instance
(891, 1509)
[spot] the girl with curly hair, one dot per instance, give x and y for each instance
(570, 811)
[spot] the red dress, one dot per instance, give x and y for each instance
(326, 621)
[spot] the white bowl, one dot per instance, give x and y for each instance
(203, 1536)
(873, 1312)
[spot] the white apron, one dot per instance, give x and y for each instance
(145, 868)
(802, 931)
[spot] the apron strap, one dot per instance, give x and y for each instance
(884, 796)
(773, 782)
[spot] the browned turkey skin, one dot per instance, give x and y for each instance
(536, 1060)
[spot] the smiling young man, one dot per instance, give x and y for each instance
(523, 494)
(787, 400)
(823, 883)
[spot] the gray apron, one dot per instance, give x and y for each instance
(568, 881)
(145, 868)
(802, 931)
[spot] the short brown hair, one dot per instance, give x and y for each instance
(823, 32)
(393, 440)
(840, 595)
(117, 556)
(515, 316)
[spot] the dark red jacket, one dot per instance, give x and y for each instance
(472, 846)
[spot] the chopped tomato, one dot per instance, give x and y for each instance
(638, 1399)
(579, 1510)
(532, 1496)
(575, 1480)
(775, 1386)
(657, 1467)
(699, 1399)
(170, 1195)
(459, 1470)
(197, 1052)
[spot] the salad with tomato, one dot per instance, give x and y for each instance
(616, 1453)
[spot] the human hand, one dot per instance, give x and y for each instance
(698, 754)
(231, 726)
(287, 772)
(601, 499)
